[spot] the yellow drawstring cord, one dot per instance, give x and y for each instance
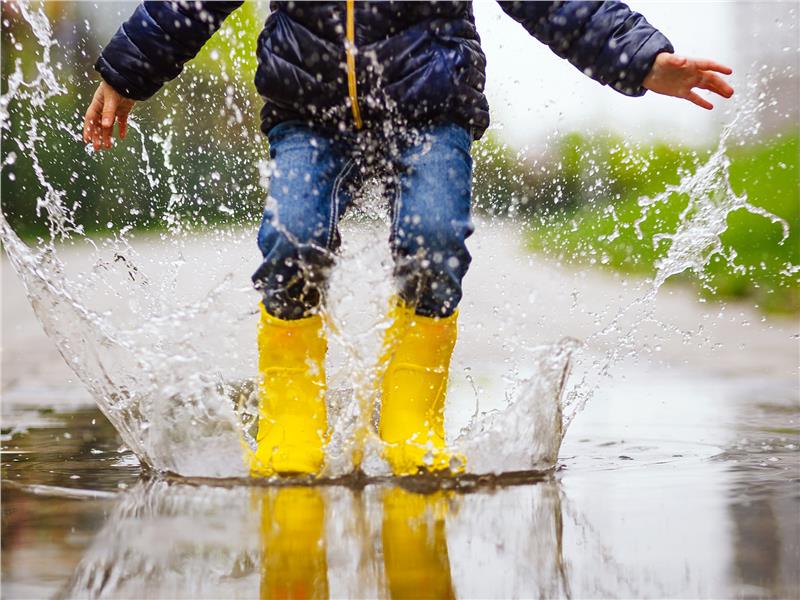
(351, 62)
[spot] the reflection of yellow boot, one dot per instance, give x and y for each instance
(415, 545)
(417, 353)
(293, 562)
(292, 420)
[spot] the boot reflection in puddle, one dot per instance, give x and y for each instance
(415, 544)
(293, 561)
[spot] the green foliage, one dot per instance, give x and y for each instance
(601, 232)
(233, 47)
(202, 140)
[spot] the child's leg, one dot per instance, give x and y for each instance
(309, 190)
(431, 222)
(298, 233)
(431, 219)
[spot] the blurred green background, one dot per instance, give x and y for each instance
(203, 153)
(586, 202)
(210, 174)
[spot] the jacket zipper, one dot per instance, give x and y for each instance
(349, 48)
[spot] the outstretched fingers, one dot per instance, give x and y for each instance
(710, 65)
(109, 114)
(122, 123)
(680, 76)
(709, 80)
(698, 100)
(714, 83)
(107, 106)
(91, 120)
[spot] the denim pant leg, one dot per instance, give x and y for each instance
(431, 219)
(307, 194)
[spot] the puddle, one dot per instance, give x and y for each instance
(695, 495)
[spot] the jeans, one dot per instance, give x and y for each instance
(427, 175)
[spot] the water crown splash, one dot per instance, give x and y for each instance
(171, 366)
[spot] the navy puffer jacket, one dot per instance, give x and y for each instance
(353, 64)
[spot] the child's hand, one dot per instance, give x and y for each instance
(674, 75)
(98, 124)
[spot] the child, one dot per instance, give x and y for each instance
(388, 89)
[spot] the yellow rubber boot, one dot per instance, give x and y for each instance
(415, 544)
(417, 353)
(292, 422)
(293, 557)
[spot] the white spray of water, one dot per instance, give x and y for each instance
(698, 236)
(695, 241)
(168, 372)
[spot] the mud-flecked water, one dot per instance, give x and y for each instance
(669, 486)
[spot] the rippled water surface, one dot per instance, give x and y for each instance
(697, 497)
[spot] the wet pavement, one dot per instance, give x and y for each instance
(680, 478)
(696, 495)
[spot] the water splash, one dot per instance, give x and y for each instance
(171, 373)
(711, 199)
(171, 361)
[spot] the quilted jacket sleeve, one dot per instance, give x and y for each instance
(151, 47)
(606, 40)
